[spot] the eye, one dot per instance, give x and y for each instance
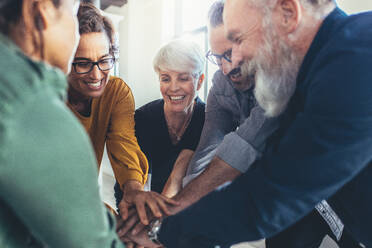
(83, 64)
(184, 79)
(227, 54)
(164, 79)
(106, 61)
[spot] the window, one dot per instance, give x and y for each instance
(187, 19)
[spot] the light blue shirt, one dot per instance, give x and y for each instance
(235, 128)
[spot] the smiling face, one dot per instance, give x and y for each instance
(244, 27)
(221, 45)
(179, 89)
(266, 52)
(93, 47)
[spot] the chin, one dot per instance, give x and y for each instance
(95, 94)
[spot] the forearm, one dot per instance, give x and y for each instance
(217, 173)
(174, 182)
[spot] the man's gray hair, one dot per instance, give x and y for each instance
(215, 13)
(180, 56)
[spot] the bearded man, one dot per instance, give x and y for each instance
(312, 64)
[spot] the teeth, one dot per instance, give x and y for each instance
(176, 97)
(95, 84)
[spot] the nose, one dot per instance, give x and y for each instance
(173, 86)
(95, 73)
(236, 56)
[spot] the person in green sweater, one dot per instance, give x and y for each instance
(44, 151)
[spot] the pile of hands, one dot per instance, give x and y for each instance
(137, 210)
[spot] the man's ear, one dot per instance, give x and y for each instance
(200, 81)
(289, 14)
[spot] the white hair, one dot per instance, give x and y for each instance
(180, 56)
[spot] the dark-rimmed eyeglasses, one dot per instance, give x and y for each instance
(83, 67)
(217, 58)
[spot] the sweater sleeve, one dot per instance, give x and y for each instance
(49, 178)
(127, 159)
(216, 125)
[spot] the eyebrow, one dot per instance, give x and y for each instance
(83, 58)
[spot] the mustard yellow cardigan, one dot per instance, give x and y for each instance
(112, 121)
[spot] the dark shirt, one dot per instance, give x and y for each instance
(323, 150)
(153, 138)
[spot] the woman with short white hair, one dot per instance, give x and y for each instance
(168, 129)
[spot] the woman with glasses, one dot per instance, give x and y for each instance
(105, 105)
(168, 130)
(44, 200)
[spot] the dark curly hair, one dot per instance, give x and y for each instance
(91, 20)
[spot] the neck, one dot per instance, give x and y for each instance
(178, 122)
(308, 29)
(78, 101)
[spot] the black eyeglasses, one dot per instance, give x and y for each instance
(83, 67)
(217, 58)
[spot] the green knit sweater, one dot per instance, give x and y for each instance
(48, 174)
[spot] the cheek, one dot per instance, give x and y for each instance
(163, 89)
(190, 88)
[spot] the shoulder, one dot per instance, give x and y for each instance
(150, 111)
(339, 79)
(118, 92)
(22, 78)
(221, 85)
(116, 85)
(199, 106)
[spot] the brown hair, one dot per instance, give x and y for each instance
(91, 20)
(11, 14)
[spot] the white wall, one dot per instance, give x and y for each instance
(140, 38)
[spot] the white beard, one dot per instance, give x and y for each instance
(276, 69)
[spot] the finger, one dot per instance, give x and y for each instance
(163, 206)
(119, 223)
(138, 228)
(128, 225)
(141, 211)
(129, 245)
(152, 204)
(124, 209)
(169, 200)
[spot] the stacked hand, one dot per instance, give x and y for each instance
(137, 209)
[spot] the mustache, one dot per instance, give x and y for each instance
(234, 71)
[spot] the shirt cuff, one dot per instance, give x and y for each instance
(131, 175)
(237, 152)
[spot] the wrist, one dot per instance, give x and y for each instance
(153, 231)
(132, 185)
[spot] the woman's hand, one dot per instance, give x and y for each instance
(134, 196)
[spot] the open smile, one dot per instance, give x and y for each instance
(94, 85)
(176, 98)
